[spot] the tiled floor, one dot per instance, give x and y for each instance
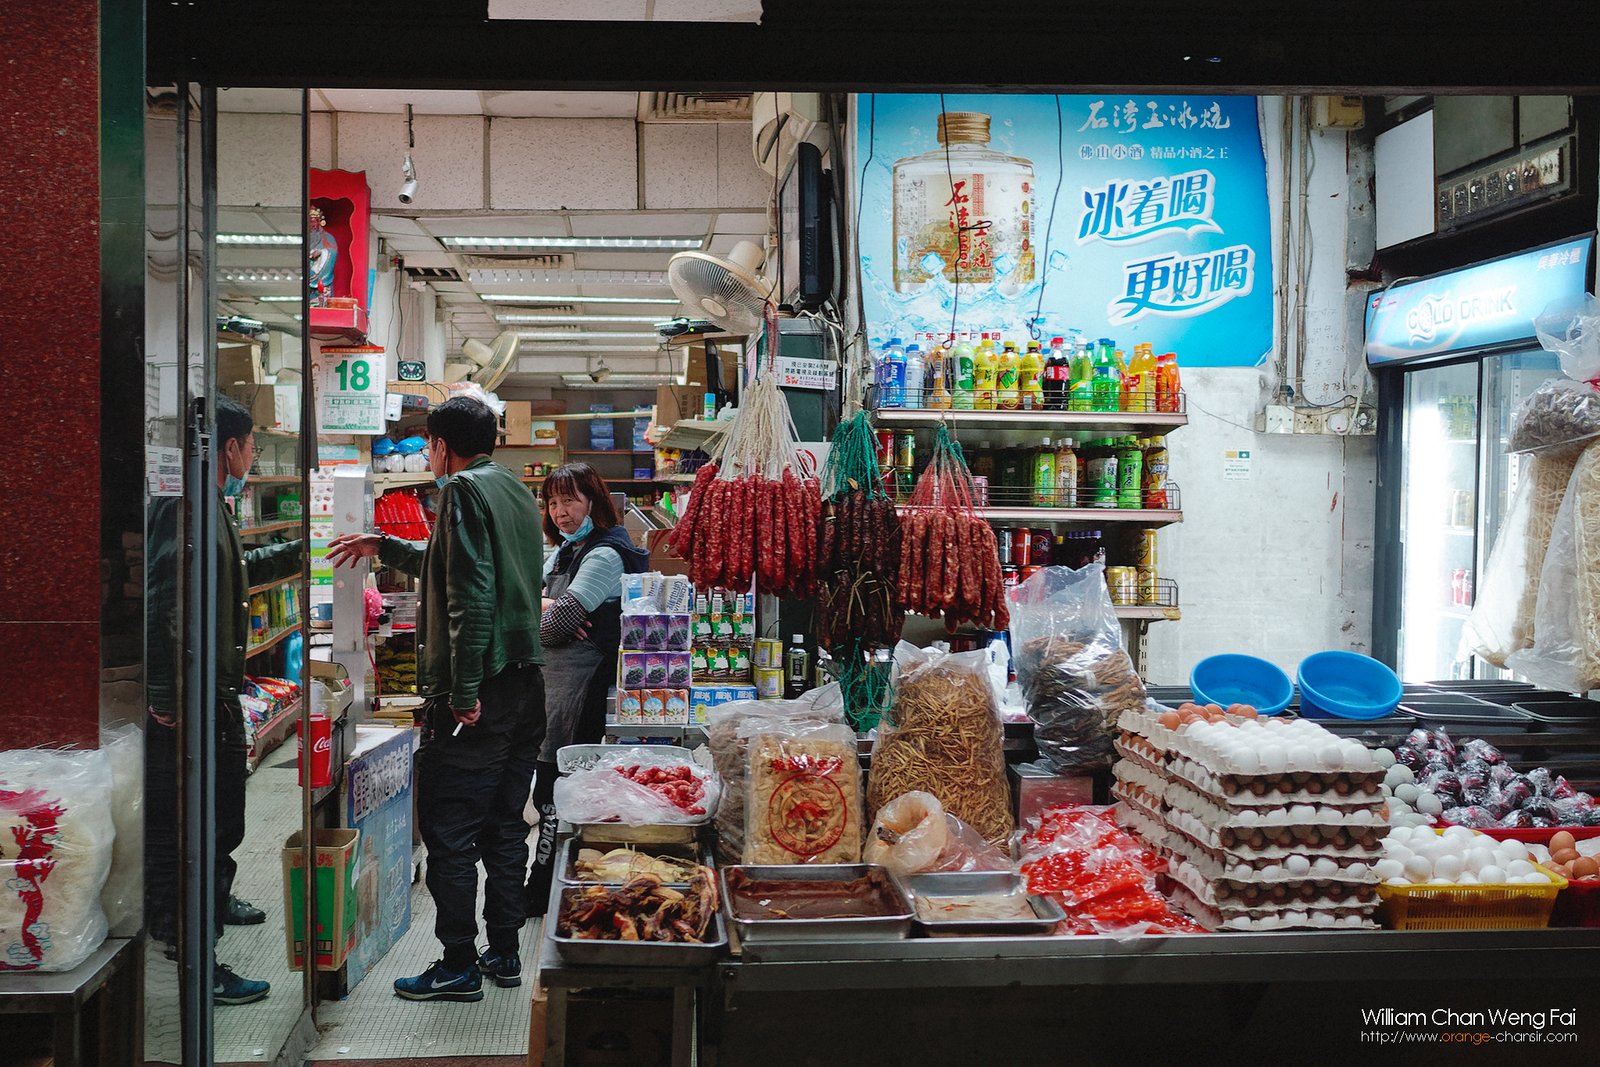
(372, 1023)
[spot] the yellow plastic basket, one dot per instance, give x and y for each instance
(1470, 907)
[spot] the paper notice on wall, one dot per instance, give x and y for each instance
(164, 471)
(351, 387)
(818, 374)
(1236, 465)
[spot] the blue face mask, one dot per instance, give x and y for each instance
(232, 485)
(440, 481)
(582, 531)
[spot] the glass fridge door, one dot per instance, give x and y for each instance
(1439, 520)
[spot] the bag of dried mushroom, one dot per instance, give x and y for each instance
(1075, 675)
(730, 751)
(944, 737)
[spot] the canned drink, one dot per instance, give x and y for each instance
(1043, 541)
(1022, 546)
(980, 491)
(1144, 553)
(1124, 583)
(1028, 572)
(769, 683)
(886, 449)
(769, 654)
(1010, 577)
(1003, 536)
(1148, 585)
(905, 450)
(321, 760)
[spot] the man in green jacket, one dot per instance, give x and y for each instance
(238, 570)
(478, 664)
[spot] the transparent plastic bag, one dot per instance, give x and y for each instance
(609, 792)
(802, 794)
(56, 825)
(1566, 648)
(123, 895)
(1558, 416)
(1075, 675)
(1570, 327)
(913, 834)
(943, 736)
(730, 751)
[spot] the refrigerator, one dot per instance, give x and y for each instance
(1454, 356)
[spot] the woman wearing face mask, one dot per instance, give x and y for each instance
(581, 630)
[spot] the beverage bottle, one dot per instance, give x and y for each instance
(1057, 376)
(1168, 384)
(1066, 474)
(939, 378)
(1007, 392)
(1138, 384)
(1081, 380)
(961, 373)
(1102, 469)
(983, 461)
(985, 372)
(797, 668)
(916, 379)
(892, 384)
(1044, 476)
(1107, 380)
(1456, 577)
(1030, 378)
(1013, 478)
(1130, 473)
(1156, 459)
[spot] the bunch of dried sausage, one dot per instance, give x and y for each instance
(949, 559)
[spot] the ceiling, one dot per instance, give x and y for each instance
(630, 283)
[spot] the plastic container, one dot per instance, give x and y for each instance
(1235, 679)
(1578, 905)
(1346, 685)
(1470, 907)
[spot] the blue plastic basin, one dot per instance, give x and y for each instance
(1235, 679)
(1347, 685)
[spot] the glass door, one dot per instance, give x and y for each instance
(1438, 515)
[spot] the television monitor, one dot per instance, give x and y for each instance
(805, 231)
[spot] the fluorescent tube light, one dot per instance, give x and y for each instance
(576, 244)
(583, 335)
(556, 319)
(258, 238)
(279, 299)
(528, 298)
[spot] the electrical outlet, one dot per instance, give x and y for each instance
(1278, 418)
(1549, 167)
(1308, 421)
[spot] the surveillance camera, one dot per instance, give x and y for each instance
(408, 190)
(600, 373)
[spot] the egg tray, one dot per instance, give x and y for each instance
(1253, 844)
(1307, 813)
(1142, 798)
(1136, 773)
(1232, 921)
(1272, 790)
(1312, 895)
(1330, 756)
(1351, 868)
(1137, 749)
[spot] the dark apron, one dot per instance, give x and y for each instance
(574, 673)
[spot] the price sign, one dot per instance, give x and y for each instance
(819, 374)
(350, 390)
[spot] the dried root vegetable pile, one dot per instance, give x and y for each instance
(753, 513)
(858, 548)
(949, 559)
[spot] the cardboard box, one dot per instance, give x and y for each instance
(519, 422)
(261, 400)
(335, 886)
(239, 361)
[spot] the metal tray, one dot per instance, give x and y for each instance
(1459, 709)
(999, 884)
(567, 865)
(616, 833)
(632, 953)
(1562, 711)
(774, 931)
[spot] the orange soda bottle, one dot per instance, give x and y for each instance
(1169, 387)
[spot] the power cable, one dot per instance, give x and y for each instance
(1044, 263)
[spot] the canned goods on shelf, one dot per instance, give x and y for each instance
(1021, 546)
(769, 654)
(905, 450)
(1124, 583)
(1003, 538)
(1144, 554)
(1011, 577)
(886, 449)
(1028, 572)
(980, 491)
(769, 683)
(1043, 541)
(1147, 585)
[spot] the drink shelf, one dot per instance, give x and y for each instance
(1108, 423)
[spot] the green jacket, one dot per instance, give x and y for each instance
(237, 571)
(481, 576)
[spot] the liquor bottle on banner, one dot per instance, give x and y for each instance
(939, 377)
(1080, 382)
(1030, 378)
(1008, 391)
(1139, 383)
(1169, 387)
(1106, 388)
(916, 379)
(892, 382)
(1057, 376)
(985, 371)
(961, 370)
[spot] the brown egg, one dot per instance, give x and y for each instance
(1584, 867)
(1169, 719)
(1247, 711)
(1564, 855)
(1561, 840)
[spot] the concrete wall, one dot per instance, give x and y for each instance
(1279, 564)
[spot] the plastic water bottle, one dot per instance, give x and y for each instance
(892, 379)
(961, 373)
(1107, 378)
(916, 379)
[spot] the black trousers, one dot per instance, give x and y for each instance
(471, 790)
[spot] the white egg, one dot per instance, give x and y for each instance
(1388, 868)
(1522, 867)
(1449, 867)
(1399, 881)
(1399, 774)
(1407, 793)
(1274, 760)
(1399, 853)
(1400, 835)
(1511, 850)
(1302, 757)
(1357, 870)
(1492, 875)
(1324, 867)
(1322, 918)
(1383, 757)
(1302, 813)
(1467, 878)
(1332, 757)
(1297, 866)
(1248, 817)
(1457, 833)
(1271, 873)
(1247, 760)
(1429, 804)
(1440, 881)
(1418, 869)
(1479, 857)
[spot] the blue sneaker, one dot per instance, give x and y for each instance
(438, 983)
(506, 970)
(229, 988)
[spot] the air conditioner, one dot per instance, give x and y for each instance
(778, 123)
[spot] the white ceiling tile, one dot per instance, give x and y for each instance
(448, 157)
(508, 224)
(561, 105)
(742, 222)
(622, 260)
(706, 11)
(740, 183)
(260, 101)
(554, 163)
(680, 164)
(394, 101)
(258, 159)
(570, 10)
(640, 225)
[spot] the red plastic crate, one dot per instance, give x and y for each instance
(1578, 904)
